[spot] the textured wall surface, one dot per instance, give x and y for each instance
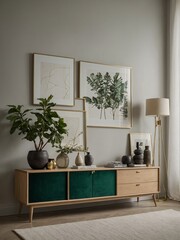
(117, 32)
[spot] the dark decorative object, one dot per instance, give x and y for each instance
(147, 156)
(131, 165)
(37, 159)
(138, 157)
(89, 159)
(126, 160)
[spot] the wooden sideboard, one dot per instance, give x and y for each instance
(43, 188)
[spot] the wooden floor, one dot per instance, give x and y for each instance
(8, 223)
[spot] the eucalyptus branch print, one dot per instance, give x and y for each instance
(109, 92)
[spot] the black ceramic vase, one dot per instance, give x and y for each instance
(37, 159)
(88, 159)
(147, 156)
(138, 157)
(126, 159)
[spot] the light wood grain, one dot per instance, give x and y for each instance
(130, 182)
(21, 186)
(137, 175)
(137, 188)
(98, 168)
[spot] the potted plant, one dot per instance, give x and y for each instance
(45, 127)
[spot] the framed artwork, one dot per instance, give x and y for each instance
(107, 91)
(54, 75)
(144, 139)
(79, 105)
(76, 125)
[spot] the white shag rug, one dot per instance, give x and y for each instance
(160, 225)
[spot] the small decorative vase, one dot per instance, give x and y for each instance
(138, 157)
(147, 156)
(126, 159)
(50, 164)
(62, 160)
(88, 159)
(79, 160)
(54, 164)
(37, 159)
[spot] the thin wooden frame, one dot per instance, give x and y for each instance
(54, 75)
(103, 108)
(79, 105)
(144, 139)
(76, 125)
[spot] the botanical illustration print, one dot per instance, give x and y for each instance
(55, 78)
(109, 92)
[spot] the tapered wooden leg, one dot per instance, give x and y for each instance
(137, 199)
(31, 209)
(154, 199)
(20, 208)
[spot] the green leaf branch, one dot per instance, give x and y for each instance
(48, 126)
(109, 92)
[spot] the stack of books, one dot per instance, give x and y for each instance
(115, 164)
(83, 167)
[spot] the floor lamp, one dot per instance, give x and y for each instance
(158, 107)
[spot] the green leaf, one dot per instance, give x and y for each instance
(49, 98)
(88, 100)
(12, 130)
(12, 110)
(54, 115)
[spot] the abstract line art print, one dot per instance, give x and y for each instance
(54, 76)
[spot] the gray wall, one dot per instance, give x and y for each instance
(120, 32)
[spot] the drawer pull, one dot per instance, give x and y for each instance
(137, 171)
(137, 185)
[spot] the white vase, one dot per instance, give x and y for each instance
(79, 160)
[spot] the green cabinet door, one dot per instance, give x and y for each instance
(104, 183)
(44, 187)
(80, 184)
(88, 184)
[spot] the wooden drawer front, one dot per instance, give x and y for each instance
(137, 175)
(137, 188)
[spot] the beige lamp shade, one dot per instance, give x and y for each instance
(157, 106)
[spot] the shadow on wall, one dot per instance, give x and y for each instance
(127, 150)
(30, 61)
(137, 111)
(4, 130)
(10, 147)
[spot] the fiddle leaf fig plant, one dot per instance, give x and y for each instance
(41, 126)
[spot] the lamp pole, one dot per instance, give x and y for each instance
(158, 107)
